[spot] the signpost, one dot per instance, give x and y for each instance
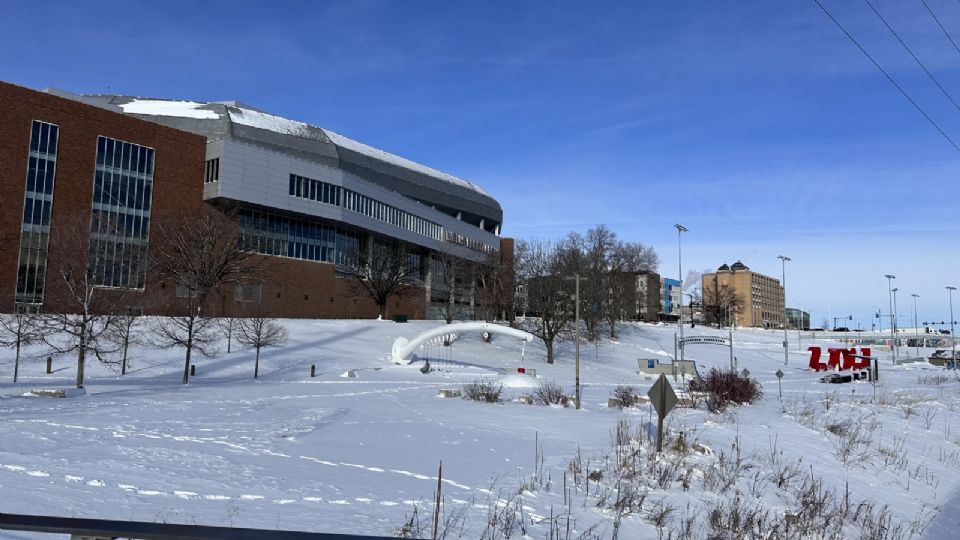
(779, 386)
(663, 399)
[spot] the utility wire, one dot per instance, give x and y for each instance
(917, 60)
(934, 15)
(887, 75)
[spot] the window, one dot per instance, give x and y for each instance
(184, 291)
(120, 221)
(37, 203)
(212, 173)
(247, 292)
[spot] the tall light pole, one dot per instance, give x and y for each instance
(576, 317)
(783, 264)
(953, 336)
(890, 300)
(916, 326)
(896, 325)
(680, 230)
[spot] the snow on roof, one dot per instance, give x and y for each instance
(279, 124)
(162, 107)
(387, 157)
(270, 122)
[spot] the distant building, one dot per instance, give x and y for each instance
(761, 295)
(671, 300)
(797, 318)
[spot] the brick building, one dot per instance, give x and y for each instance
(305, 198)
(762, 296)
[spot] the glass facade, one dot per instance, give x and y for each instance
(315, 190)
(271, 234)
(120, 222)
(37, 202)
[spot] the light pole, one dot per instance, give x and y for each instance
(916, 327)
(953, 336)
(680, 230)
(576, 329)
(783, 264)
(890, 300)
(896, 325)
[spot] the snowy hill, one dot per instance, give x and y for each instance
(356, 454)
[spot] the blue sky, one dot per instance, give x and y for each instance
(757, 125)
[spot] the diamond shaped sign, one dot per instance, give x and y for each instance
(662, 396)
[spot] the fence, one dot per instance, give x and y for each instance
(97, 529)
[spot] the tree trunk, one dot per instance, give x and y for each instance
(549, 345)
(126, 344)
(81, 355)
(256, 364)
(16, 362)
(186, 363)
(383, 310)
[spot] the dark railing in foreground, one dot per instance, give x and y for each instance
(139, 530)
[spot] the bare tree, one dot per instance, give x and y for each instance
(627, 259)
(258, 332)
(541, 269)
(93, 273)
(199, 255)
(18, 330)
(227, 325)
(126, 331)
(721, 302)
(496, 287)
(454, 279)
(382, 271)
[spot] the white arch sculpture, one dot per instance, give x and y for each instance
(403, 350)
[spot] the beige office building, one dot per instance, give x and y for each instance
(762, 295)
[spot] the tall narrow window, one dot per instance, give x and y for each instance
(120, 221)
(212, 173)
(37, 205)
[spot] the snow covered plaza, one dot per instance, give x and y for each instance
(357, 454)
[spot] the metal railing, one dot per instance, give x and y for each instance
(95, 529)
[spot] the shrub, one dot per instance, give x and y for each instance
(724, 388)
(550, 393)
(627, 396)
(483, 391)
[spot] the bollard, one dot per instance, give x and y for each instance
(193, 370)
(49, 365)
(313, 370)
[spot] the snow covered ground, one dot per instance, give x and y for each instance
(358, 454)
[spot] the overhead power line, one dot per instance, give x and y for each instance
(917, 60)
(887, 75)
(934, 15)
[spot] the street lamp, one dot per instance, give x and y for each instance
(680, 230)
(890, 300)
(896, 324)
(953, 336)
(783, 263)
(916, 327)
(577, 278)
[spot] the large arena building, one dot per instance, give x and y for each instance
(305, 198)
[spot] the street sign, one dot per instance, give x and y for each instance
(746, 373)
(779, 374)
(663, 399)
(662, 396)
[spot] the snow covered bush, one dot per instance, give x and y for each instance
(485, 391)
(626, 396)
(725, 388)
(550, 393)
